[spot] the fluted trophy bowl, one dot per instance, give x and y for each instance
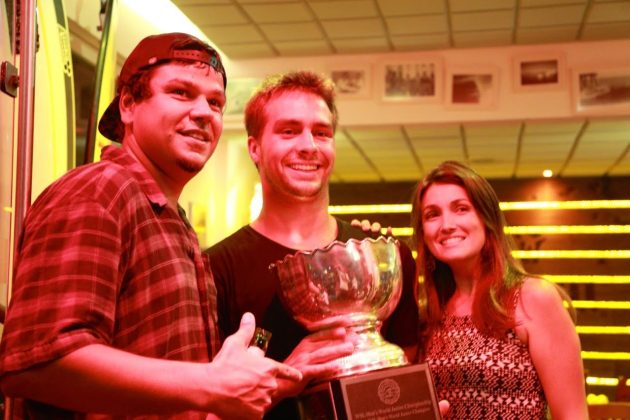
(356, 285)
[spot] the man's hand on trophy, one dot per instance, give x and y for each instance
(316, 357)
(244, 382)
(373, 228)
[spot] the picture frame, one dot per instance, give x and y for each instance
(539, 72)
(601, 91)
(239, 90)
(352, 82)
(472, 87)
(413, 80)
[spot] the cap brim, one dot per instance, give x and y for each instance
(110, 124)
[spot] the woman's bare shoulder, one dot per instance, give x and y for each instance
(537, 290)
(540, 300)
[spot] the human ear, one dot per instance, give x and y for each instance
(253, 146)
(126, 106)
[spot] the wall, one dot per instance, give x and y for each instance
(555, 104)
(511, 105)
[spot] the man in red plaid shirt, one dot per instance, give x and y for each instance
(112, 309)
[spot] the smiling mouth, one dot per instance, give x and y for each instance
(304, 167)
(452, 240)
(196, 135)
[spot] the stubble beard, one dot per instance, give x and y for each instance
(306, 192)
(284, 185)
(190, 166)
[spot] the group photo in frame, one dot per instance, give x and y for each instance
(352, 81)
(472, 87)
(418, 80)
(602, 91)
(539, 72)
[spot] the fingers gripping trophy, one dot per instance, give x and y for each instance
(356, 285)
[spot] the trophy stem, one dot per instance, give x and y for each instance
(371, 352)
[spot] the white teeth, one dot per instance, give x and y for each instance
(195, 135)
(452, 240)
(304, 167)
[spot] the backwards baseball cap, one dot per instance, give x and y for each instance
(152, 51)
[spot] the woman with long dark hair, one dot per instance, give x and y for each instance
(500, 343)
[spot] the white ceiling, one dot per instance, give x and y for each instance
(501, 150)
(286, 28)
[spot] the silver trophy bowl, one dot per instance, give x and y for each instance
(356, 285)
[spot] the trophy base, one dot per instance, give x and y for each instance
(402, 393)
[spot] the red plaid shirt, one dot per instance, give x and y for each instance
(104, 260)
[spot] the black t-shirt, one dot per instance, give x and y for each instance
(240, 266)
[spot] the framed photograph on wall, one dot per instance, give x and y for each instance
(602, 91)
(352, 82)
(472, 87)
(419, 80)
(239, 91)
(538, 72)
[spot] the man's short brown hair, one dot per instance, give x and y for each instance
(274, 86)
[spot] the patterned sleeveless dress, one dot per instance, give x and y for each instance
(484, 377)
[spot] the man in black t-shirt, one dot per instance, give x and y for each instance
(291, 123)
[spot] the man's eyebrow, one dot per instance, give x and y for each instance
(288, 121)
(178, 80)
(300, 123)
(187, 83)
(323, 124)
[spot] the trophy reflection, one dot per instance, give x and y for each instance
(356, 285)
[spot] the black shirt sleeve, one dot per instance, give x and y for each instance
(402, 327)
